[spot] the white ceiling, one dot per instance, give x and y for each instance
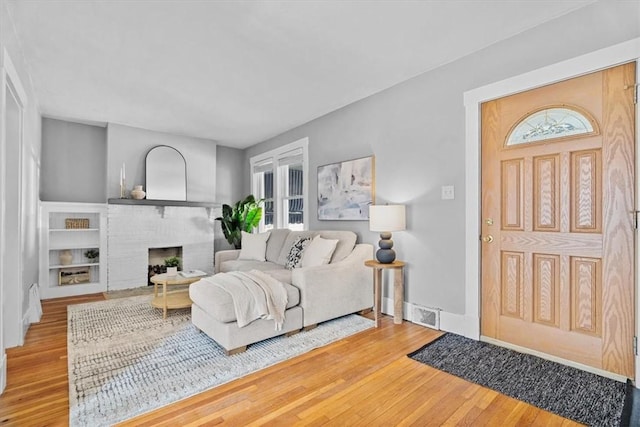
(239, 72)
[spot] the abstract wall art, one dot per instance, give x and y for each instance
(346, 189)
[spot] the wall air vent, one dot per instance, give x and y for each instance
(426, 316)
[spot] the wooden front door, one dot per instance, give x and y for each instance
(557, 219)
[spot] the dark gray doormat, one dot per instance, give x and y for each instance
(569, 392)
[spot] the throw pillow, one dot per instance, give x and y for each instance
(318, 252)
(296, 252)
(254, 246)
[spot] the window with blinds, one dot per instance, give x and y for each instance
(280, 178)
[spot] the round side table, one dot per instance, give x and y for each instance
(398, 288)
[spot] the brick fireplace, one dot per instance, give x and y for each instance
(133, 230)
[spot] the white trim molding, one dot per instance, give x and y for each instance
(272, 157)
(3, 371)
(26, 322)
(12, 329)
(11, 72)
(604, 58)
(637, 244)
(449, 322)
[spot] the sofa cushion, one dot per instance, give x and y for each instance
(245, 265)
(254, 246)
(294, 259)
(318, 252)
(218, 303)
(291, 238)
(346, 243)
(275, 242)
(283, 275)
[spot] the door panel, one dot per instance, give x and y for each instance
(546, 194)
(546, 289)
(557, 275)
(586, 288)
(586, 206)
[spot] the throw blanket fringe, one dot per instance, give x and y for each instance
(255, 295)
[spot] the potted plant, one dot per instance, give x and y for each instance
(245, 215)
(172, 264)
(92, 255)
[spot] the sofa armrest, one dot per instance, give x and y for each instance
(222, 256)
(333, 290)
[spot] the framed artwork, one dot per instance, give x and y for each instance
(346, 189)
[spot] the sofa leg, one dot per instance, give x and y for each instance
(292, 333)
(236, 350)
(365, 311)
(310, 327)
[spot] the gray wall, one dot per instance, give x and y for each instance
(22, 244)
(74, 162)
(130, 145)
(230, 185)
(229, 175)
(416, 131)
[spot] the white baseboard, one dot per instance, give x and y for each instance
(454, 323)
(26, 322)
(3, 372)
(449, 322)
(387, 308)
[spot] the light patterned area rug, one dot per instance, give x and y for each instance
(125, 360)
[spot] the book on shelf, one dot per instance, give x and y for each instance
(192, 273)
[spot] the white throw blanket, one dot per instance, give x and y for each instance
(255, 295)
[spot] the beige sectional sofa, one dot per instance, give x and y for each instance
(315, 293)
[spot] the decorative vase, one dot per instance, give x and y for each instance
(137, 192)
(66, 257)
(172, 271)
(385, 255)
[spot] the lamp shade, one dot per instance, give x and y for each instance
(387, 218)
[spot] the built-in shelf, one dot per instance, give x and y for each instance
(146, 202)
(57, 242)
(62, 247)
(86, 264)
(73, 230)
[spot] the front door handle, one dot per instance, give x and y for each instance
(487, 239)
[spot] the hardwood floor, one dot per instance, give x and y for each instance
(363, 380)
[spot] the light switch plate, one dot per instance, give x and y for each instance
(448, 192)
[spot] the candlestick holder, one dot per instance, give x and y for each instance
(123, 189)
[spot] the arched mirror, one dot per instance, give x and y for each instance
(166, 174)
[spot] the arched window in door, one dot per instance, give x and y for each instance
(551, 123)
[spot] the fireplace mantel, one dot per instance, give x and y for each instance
(146, 202)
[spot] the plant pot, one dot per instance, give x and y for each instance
(172, 271)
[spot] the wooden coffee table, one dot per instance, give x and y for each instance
(171, 299)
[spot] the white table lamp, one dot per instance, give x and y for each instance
(386, 218)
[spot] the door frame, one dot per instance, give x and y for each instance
(604, 58)
(11, 331)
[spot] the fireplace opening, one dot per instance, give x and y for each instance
(157, 257)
